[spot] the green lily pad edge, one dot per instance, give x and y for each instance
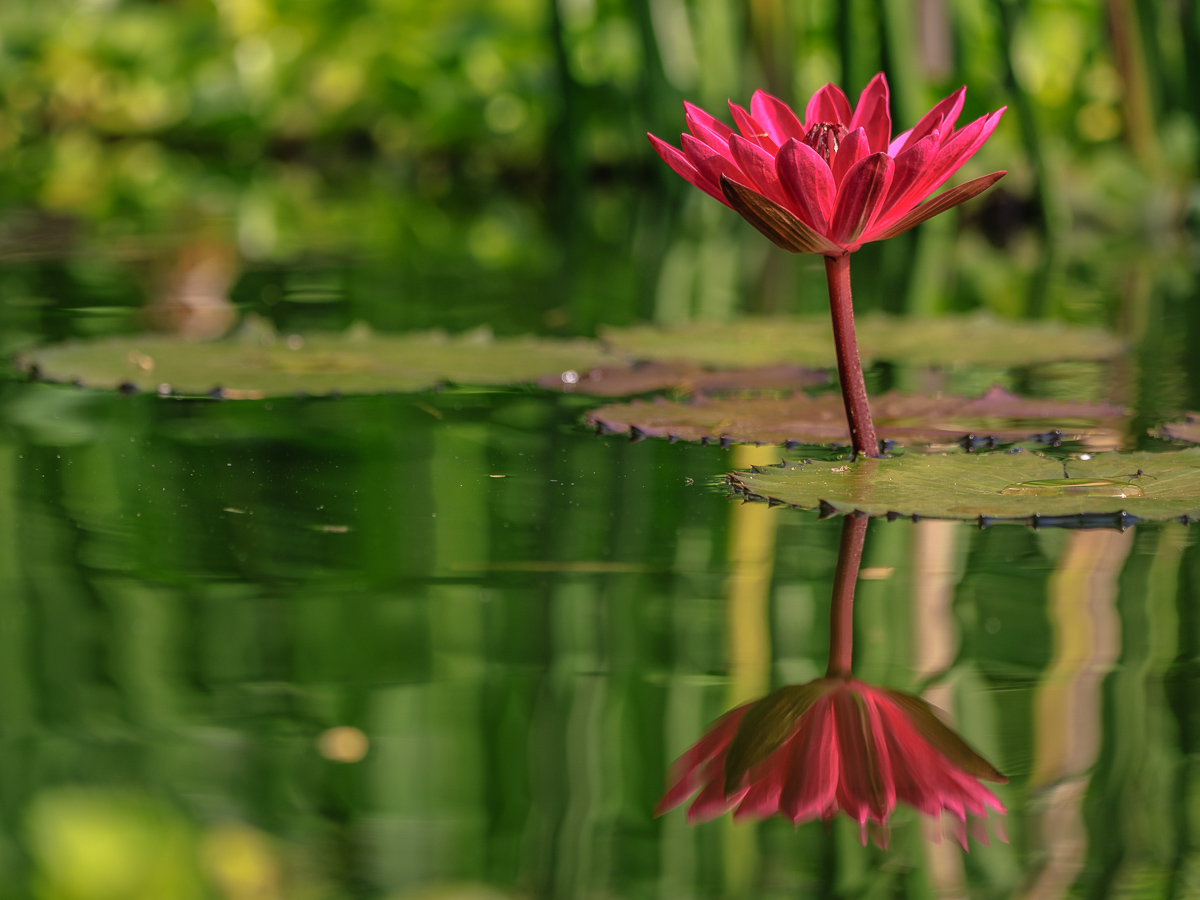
(961, 340)
(1111, 489)
(256, 363)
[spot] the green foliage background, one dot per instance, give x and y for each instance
(496, 147)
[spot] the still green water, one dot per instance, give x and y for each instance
(447, 645)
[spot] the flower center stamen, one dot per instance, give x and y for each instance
(825, 137)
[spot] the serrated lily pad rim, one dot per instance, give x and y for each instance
(379, 374)
(914, 421)
(742, 483)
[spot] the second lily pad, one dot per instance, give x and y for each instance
(1020, 485)
(971, 340)
(996, 416)
(258, 363)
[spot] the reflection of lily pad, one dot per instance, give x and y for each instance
(1017, 485)
(1188, 430)
(996, 415)
(977, 340)
(624, 381)
(259, 364)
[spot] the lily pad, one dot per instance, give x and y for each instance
(1188, 430)
(996, 416)
(257, 363)
(1021, 485)
(971, 340)
(686, 377)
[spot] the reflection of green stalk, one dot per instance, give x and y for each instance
(841, 607)
(849, 365)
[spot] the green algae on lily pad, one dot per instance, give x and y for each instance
(1187, 431)
(998, 415)
(1021, 485)
(257, 363)
(952, 341)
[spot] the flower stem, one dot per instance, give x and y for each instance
(850, 375)
(841, 606)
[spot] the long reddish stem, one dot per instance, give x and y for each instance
(854, 389)
(841, 606)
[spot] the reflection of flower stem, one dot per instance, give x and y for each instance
(850, 374)
(841, 607)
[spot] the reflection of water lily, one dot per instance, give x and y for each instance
(836, 180)
(836, 744)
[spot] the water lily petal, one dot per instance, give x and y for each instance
(684, 168)
(928, 725)
(948, 159)
(711, 139)
(898, 142)
(762, 799)
(865, 789)
(782, 227)
(809, 183)
(695, 114)
(776, 117)
(686, 772)
(828, 105)
(960, 147)
(832, 201)
(713, 801)
(872, 114)
(911, 167)
(947, 110)
(767, 725)
(931, 208)
(855, 146)
(813, 766)
(860, 197)
(751, 130)
(759, 167)
(924, 777)
(709, 163)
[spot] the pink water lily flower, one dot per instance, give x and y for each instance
(831, 183)
(838, 179)
(833, 745)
